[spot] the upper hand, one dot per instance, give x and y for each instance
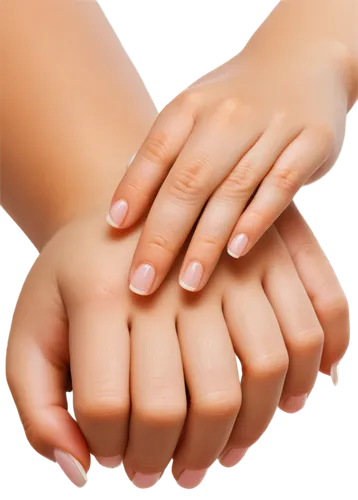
(231, 150)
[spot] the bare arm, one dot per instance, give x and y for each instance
(73, 109)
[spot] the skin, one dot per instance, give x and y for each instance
(77, 325)
(233, 151)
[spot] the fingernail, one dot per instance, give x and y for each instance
(71, 467)
(192, 276)
(191, 478)
(233, 457)
(237, 245)
(335, 374)
(117, 213)
(110, 462)
(145, 480)
(142, 279)
(293, 404)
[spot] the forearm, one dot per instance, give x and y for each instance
(73, 109)
(297, 24)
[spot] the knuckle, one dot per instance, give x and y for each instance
(286, 179)
(241, 181)
(334, 305)
(102, 409)
(218, 404)
(208, 240)
(161, 413)
(189, 181)
(190, 99)
(268, 365)
(229, 106)
(156, 147)
(307, 341)
(162, 243)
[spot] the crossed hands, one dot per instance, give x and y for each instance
(155, 378)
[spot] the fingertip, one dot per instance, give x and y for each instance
(117, 213)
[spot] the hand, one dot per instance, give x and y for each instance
(71, 329)
(232, 150)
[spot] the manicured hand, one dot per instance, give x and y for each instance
(230, 152)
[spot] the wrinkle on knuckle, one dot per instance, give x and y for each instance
(163, 243)
(333, 304)
(188, 183)
(241, 181)
(286, 179)
(156, 147)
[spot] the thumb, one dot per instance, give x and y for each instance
(37, 374)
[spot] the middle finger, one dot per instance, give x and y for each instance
(201, 166)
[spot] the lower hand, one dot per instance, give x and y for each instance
(76, 316)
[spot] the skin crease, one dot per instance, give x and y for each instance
(78, 285)
(234, 147)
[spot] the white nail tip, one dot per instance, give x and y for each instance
(80, 469)
(111, 222)
(136, 290)
(335, 374)
(187, 287)
(232, 254)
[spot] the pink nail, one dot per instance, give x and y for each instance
(110, 462)
(293, 404)
(237, 245)
(191, 478)
(145, 480)
(192, 276)
(233, 457)
(142, 279)
(71, 467)
(117, 213)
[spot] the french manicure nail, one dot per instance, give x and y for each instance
(142, 279)
(192, 276)
(237, 246)
(191, 478)
(335, 374)
(233, 457)
(71, 467)
(110, 462)
(145, 480)
(293, 404)
(117, 213)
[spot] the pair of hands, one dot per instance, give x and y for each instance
(155, 378)
(232, 151)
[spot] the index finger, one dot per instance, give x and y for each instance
(150, 165)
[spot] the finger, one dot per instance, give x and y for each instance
(202, 164)
(296, 164)
(37, 369)
(214, 388)
(301, 331)
(259, 345)
(229, 200)
(321, 284)
(99, 349)
(158, 398)
(150, 166)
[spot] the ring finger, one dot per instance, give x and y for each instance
(259, 345)
(214, 388)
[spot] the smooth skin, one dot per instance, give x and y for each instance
(55, 187)
(235, 147)
(75, 315)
